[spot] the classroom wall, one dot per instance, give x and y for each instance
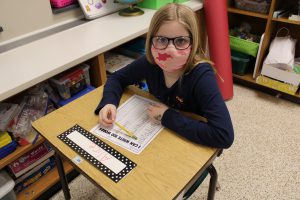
(19, 17)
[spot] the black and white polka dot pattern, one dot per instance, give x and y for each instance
(115, 177)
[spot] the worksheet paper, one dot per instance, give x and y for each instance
(132, 115)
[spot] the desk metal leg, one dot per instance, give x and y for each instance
(212, 183)
(62, 175)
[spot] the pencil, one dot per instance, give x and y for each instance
(129, 133)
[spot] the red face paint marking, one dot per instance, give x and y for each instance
(163, 57)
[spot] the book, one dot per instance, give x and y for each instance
(32, 171)
(34, 175)
(258, 55)
(31, 159)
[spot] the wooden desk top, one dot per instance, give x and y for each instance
(163, 168)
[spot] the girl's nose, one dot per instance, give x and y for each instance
(171, 45)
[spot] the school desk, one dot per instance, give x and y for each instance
(164, 168)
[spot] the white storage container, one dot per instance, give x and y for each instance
(7, 185)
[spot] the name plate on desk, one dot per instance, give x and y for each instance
(105, 158)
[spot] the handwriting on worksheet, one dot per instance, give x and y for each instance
(132, 115)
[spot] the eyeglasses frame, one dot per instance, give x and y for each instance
(171, 39)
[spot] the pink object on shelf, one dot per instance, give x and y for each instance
(61, 3)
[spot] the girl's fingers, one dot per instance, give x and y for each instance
(113, 115)
(106, 118)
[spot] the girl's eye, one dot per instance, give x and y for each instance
(162, 40)
(181, 41)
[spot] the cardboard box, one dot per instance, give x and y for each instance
(277, 85)
(281, 75)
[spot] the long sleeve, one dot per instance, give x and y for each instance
(218, 131)
(116, 82)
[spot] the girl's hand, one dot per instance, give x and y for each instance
(156, 111)
(107, 115)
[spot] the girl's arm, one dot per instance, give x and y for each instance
(218, 131)
(116, 82)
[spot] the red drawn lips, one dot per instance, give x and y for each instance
(163, 57)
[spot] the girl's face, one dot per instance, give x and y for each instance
(171, 46)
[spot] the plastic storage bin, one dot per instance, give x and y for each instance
(240, 63)
(72, 81)
(79, 94)
(244, 46)
(6, 187)
(61, 3)
(259, 6)
(180, 1)
(154, 4)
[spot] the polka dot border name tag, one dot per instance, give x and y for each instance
(102, 156)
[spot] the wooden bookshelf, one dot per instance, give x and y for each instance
(19, 152)
(264, 23)
(43, 184)
(285, 20)
(247, 77)
(247, 13)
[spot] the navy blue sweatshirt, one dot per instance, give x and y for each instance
(196, 92)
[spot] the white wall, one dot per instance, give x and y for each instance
(25, 17)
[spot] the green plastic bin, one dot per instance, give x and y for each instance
(244, 46)
(154, 4)
(240, 63)
(180, 1)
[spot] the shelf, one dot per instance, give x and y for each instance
(44, 183)
(247, 77)
(285, 20)
(249, 81)
(247, 13)
(18, 152)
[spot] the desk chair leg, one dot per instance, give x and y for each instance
(62, 175)
(213, 182)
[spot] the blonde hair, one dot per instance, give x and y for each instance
(185, 16)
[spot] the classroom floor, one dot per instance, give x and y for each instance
(263, 162)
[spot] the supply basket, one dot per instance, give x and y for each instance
(240, 63)
(259, 6)
(244, 46)
(154, 4)
(61, 3)
(180, 1)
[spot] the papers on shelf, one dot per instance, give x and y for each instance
(133, 116)
(114, 61)
(294, 17)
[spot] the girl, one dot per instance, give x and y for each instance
(177, 75)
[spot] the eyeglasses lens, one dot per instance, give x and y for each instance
(179, 42)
